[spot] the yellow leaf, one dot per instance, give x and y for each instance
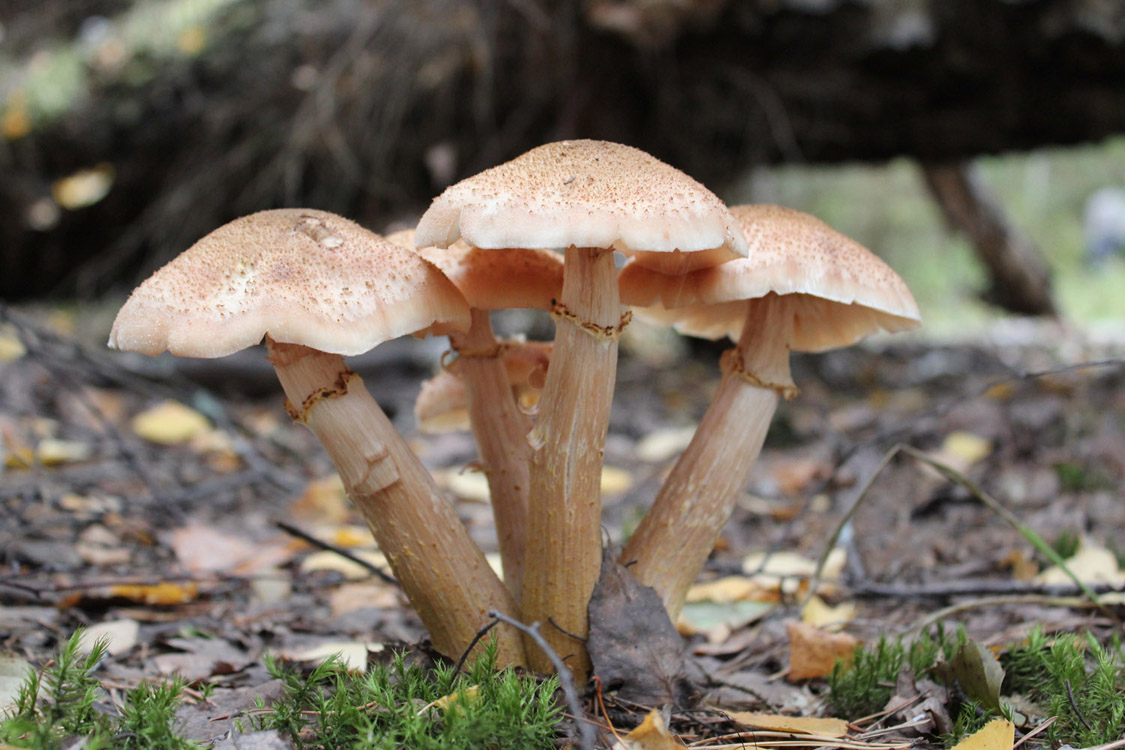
(663, 444)
(729, 589)
(963, 449)
(84, 188)
(652, 734)
(351, 570)
(52, 452)
(1090, 564)
(11, 348)
(998, 734)
(467, 485)
(352, 535)
(615, 481)
(169, 423)
(798, 724)
(465, 697)
(158, 593)
(191, 40)
(820, 615)
(15, 123)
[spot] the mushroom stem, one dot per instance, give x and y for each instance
(676, 536)
(500, 429)
(441, 570)
(568, 441)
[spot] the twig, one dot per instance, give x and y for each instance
(476, 639)
(585, 731)
(996, 601)
(1074, 705)
(294, 531)
(943, 589)
(1038, 730)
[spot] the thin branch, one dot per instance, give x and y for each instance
(586, 737)
(304, 536)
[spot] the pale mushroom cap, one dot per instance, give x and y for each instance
(845, 291)
(300, 275)
(585, 194)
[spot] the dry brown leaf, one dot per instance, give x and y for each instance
(799, 724)
(794, 475)
(998, 734)
(349, 597)
(813, 652)
(201, 548)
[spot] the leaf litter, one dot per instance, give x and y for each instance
(95, 510)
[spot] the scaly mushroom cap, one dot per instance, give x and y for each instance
(300, 275)
(845, 291)
(587, 194)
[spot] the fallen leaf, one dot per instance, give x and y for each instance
(651, 734)
(323, 501)
(120, 636)
(789, 572)
(814, 652)
(835, 728)
(633, 646)
(793, 475)
(998, 734)
(271, 739)
(820, 615)
(960, 450)
(615, 481)
(351, 654)
(462, 698)
(11, 347)
(328, 560)
(730, 589)
(465, 484)
(169, 423)
(349, 597)
(663, 444)
(717, 620)
(83, 188)
(1092, 565)
(200, 658)
(979, 674)
(164, 593)
(203, 549)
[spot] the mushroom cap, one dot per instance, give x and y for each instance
(443, 401)
(587, 193)
(496, 279)
(844, 291)
(300, 275)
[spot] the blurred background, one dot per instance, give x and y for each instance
(972, 143)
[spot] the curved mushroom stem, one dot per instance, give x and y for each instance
(441, 570)
(673, 541)
(500, 429)
(568, 441)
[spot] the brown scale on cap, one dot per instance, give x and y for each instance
(300, 275)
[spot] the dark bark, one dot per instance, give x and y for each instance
(370, 108)
(1020, 280)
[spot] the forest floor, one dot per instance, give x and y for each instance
(160, 525)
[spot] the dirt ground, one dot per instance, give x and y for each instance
(100, 524)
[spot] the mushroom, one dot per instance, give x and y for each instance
(443, 402)
(318, 286)
(497, 279)
(804, 286)
(590, 198)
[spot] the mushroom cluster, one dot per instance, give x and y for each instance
(317, 287)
